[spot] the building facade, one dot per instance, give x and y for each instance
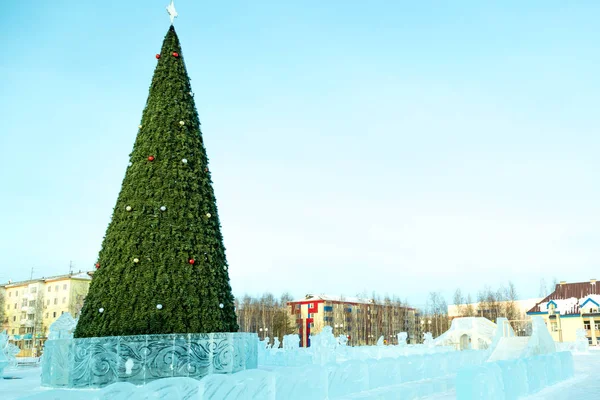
(363, 321)
(570, 307)
(480, 309)
(30, 307)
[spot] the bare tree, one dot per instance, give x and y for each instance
(543, 289)
(469, 309)
(511, 311)
(438, 313)
(458, 302)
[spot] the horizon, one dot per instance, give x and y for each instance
(400, 149)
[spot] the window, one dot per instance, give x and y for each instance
(554, 326)
(9, 294)
(29, 330)
(56, 288)
(49, 289)
(15, 318)
(65, 286)
(311, 305)
(48, 302)
(32, 303)
(15, 306)
(586, 325)
(64, 300)
(62, 312)
(17, 293)
(34, 290)
(47, 315)
(30, 316)
(54, 314)
(56, 300)
(13, 331)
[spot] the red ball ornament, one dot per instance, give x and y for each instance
(157, 56)
(192, 261)
(175, 54)
(151, 158)
(97, 265)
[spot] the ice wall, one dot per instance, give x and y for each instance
(511, 379)
(409, 377)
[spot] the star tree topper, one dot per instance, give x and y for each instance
(172, 12)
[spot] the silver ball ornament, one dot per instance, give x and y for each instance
(221, 305)
(159, 306)
(184, 161)
(101, 310)
(163, 208)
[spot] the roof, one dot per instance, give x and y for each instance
(79, 275)
(568, 298)
(341, 299)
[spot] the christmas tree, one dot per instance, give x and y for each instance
(162, 266)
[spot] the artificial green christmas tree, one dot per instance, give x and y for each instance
(162, 267)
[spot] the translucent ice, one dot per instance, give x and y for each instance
(541, 341)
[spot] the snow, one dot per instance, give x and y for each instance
(572, 304)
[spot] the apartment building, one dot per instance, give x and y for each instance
(363, 321)
(30, 307)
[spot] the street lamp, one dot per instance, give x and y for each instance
(266, 330)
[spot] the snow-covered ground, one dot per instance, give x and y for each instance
(585, 384)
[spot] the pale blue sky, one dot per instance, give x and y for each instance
(390, 146)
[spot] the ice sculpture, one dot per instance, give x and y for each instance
(11, 352)
(323, 346)
(291, 342)
(380, 341)
(468, 333)
(342, 340)
(428, 339)
(97, 362)
(3, 358)
(582, 344)
(541, 341)
(402, 336)
(63, 327)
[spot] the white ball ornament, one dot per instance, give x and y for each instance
(136, 260)
(182, 123)
(101, 310)
(128, 208)
(163, 208)
(184, 161)
(139, 126)
(130, 164)
(221, 305)
(208, 215)
(159, 306)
